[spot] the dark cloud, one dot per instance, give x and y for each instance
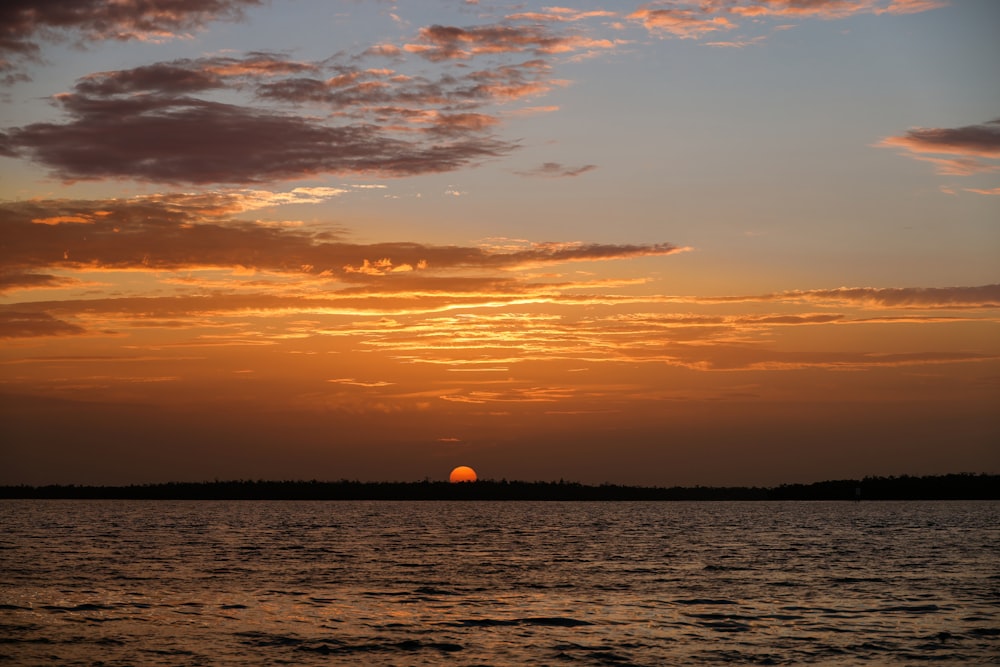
(188, 75)
(382, 93)
(187, 140)
(557, 170)
(153, 234)
(958, 148)
(16, 324)
(151, 123)
(11, 280)
(23, 23)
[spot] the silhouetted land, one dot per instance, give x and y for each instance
(963, 486)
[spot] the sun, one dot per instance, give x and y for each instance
(462, 474)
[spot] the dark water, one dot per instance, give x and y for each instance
(518, 583)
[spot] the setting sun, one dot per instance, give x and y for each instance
(462, 474)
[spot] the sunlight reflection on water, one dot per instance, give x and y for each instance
(484, 583)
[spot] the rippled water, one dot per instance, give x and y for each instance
(481, 583)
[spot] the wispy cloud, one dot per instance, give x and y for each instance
(556, 170)
(561, 15)
(696, 20)
(983, 296)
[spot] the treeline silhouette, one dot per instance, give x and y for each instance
(960, 486)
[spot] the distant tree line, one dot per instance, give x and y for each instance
(960, 486)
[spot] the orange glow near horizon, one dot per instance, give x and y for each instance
(462, 474)
(437, 244)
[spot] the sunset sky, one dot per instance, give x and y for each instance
(679, 242)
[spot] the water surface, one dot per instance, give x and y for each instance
(498, 583)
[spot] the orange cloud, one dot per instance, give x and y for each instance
(683, 23)
(438, 42)
(15, 324)
(692, 20)
(560, 15)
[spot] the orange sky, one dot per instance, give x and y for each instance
(663, 245)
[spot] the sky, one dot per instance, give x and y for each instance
(718, 242)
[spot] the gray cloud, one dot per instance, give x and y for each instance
(186, 140)
(156, 234)
(23, 23)
(557, 170)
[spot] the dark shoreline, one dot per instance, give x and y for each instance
(960, 486)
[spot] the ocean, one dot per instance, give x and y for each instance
(499, 583)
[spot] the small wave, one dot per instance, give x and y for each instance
(555, 621)
(168, 651)
(329, 647)
(547, 621)
(27, 640)
(433, 590)
(320, 601)
(726, 626)
(87, 606)
(915, 609)
(704, 601)
(263, 639)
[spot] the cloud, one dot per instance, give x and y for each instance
(169, 232)
(186, 140)
(189, 75)
(560, 15)
(965, 166)
(830, 9)
(21, 280)
(556, 170)
(695, 20)
(382, 94)
(981, 140)
(683, 23)
(15, 324)
(156, 122)
(438, 42)
(960, 151)
(912, 6)
(23, 23)
(983, 296)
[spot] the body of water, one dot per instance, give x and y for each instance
(498, 583)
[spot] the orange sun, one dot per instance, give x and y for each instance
(462, 474)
